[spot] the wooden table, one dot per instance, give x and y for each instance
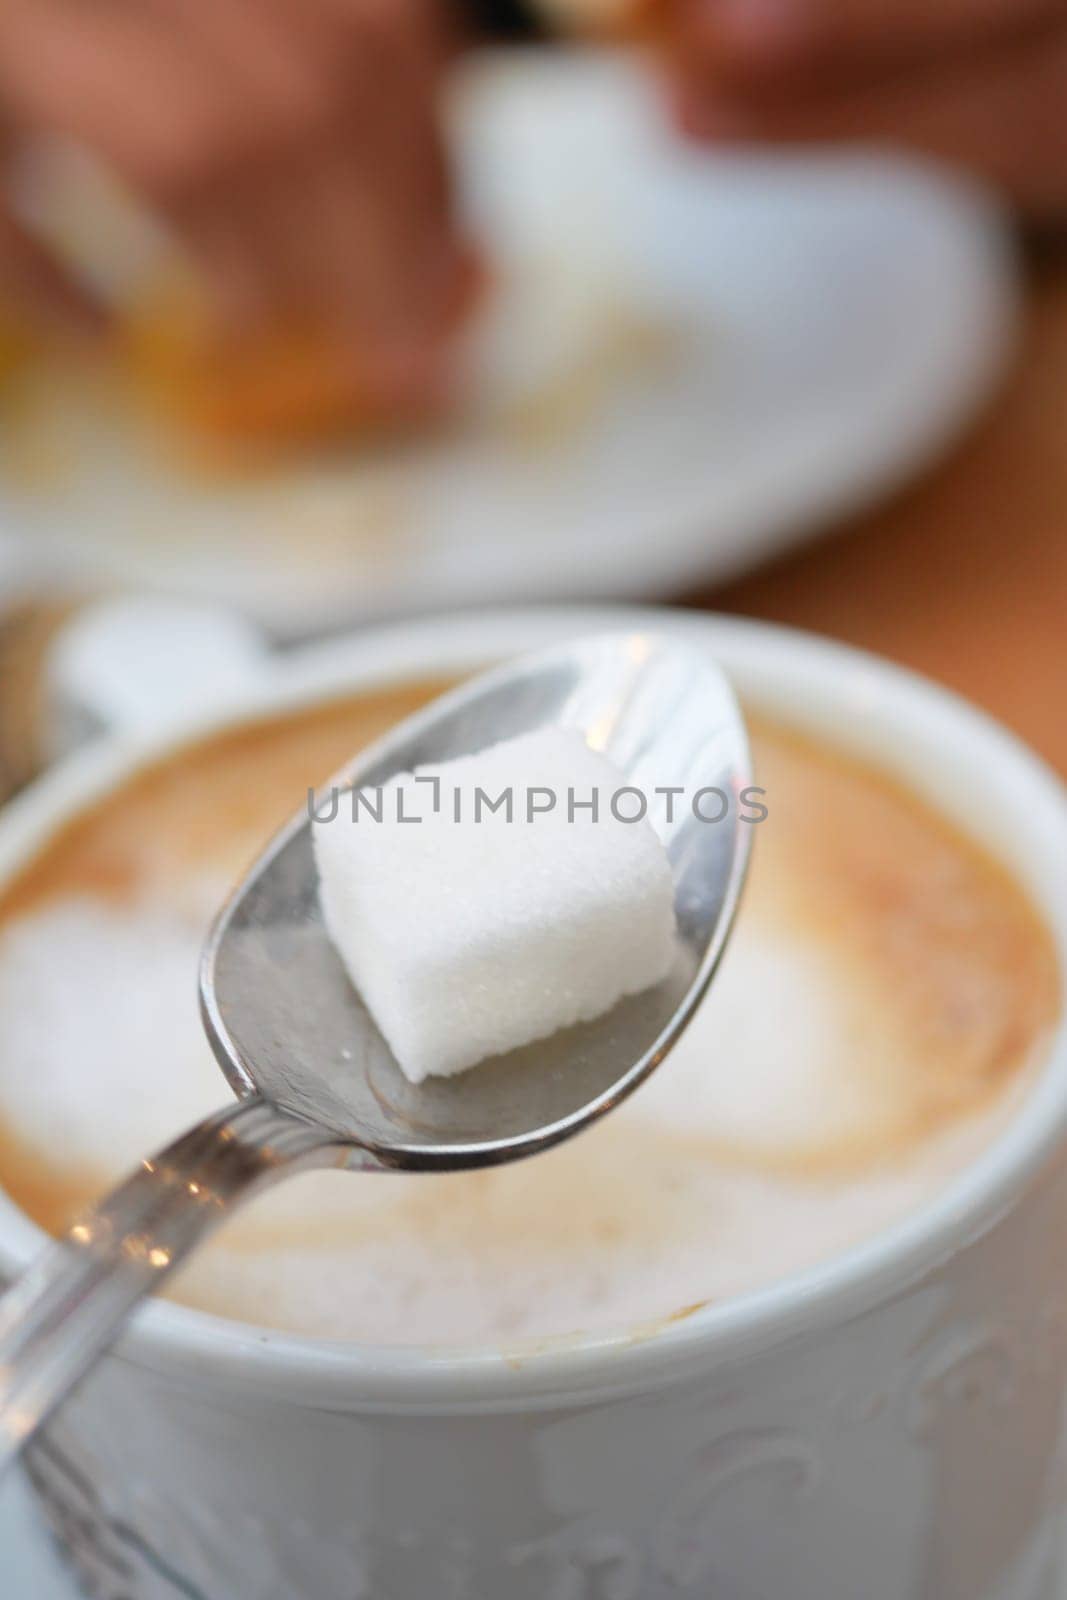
(965, 576)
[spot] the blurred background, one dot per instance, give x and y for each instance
(318, 312)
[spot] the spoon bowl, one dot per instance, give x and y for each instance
(285, 1021)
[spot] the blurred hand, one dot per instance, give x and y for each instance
(981, 83)
(292, 145)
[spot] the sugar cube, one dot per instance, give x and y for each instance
(480, 904)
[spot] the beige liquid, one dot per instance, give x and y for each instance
(886, 992)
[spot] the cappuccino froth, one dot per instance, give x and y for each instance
(871, 1027)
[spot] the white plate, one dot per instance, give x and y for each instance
(694, 361)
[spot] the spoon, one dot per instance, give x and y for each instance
(317, 1085)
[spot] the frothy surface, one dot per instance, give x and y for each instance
(871, 1026)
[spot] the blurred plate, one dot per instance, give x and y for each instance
(690, 362)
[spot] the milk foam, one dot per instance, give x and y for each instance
(643, 1214)
(868, 1032)
(102, 1048)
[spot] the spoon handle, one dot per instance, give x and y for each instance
(63, 1313)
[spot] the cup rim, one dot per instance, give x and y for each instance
(898, 718)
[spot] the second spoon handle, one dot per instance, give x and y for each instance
(66, 1309)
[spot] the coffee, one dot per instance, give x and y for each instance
(886, 996)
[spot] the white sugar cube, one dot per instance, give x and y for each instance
(469, 938)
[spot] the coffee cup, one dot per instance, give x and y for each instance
(884, 1423)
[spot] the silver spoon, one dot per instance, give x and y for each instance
(318, 1087)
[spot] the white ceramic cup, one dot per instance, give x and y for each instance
(886, 1426)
